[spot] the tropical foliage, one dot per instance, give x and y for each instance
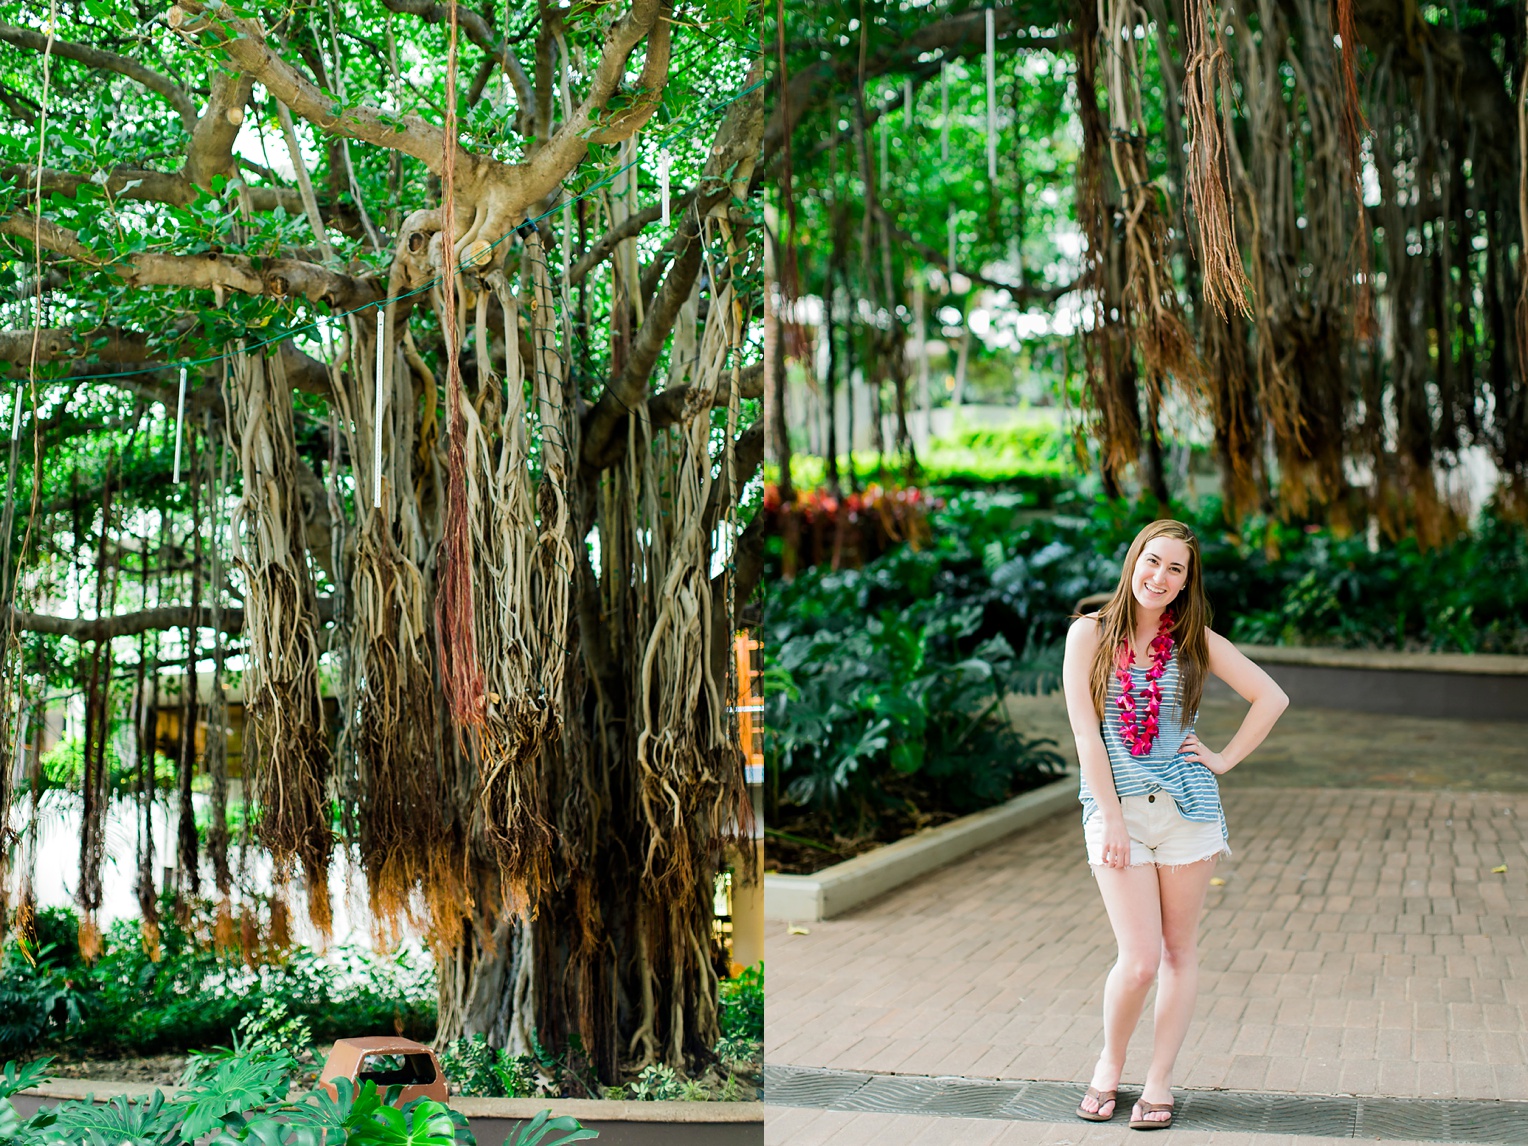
(248, 1100)
(194, 996)
(388, 372)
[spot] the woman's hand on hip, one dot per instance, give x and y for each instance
(1196, 751)
(1116, 842)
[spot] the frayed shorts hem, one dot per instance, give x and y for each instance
(1159, 835)
(1223, 850)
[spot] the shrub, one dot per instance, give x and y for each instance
(742, 1005)
(193, 997)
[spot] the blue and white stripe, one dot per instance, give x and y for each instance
(1192, 786)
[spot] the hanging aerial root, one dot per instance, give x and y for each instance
(225, 937)
(1354, 127)
(523, 638)
(1208, 68)
(1162, 335)
(688, 760)
(290, 758)
(1521, 325)
(1108, 394)
(460, 669)
(401, 795)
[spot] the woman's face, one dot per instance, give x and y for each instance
(1160, 572)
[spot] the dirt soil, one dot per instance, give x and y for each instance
(805, 844)
(159, 1070)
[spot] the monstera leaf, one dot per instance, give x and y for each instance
(423, 1122)
(237, 1086)
(120, 1122)
(19, 1077)
(533, 1132)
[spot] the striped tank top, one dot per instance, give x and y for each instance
(1192, 786)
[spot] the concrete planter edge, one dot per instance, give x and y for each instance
(514, 1109)
(837, 889)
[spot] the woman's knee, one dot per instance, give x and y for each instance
(1138, 971)
(1180, 952)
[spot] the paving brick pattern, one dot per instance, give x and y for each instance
(785, 1126)
(1361, 944)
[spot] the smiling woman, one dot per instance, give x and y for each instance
(1152, 818)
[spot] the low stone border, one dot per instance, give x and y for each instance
(836, 889)
(1451, 686)
(594, 1110)
(583, 1109)
(1475, 664)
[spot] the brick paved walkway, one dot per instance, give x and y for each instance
(798, 1127)
(1361, 944)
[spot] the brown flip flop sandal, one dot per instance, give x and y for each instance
(1102, 1096)
(1153, 1123)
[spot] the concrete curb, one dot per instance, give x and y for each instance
(593, 1110)
(1474, 664)
(583, 1109)
(837, 889)
(98, 1089)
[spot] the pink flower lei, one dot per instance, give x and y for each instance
(1137, 733)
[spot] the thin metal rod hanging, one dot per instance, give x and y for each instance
(376, 424)
(991, 94)
(180, 422)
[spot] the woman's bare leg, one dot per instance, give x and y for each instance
(1130, 898)
(1182, 892)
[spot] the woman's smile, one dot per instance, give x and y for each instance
(1160, 572)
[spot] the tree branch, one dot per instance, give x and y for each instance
(1020, 292)
(127, 353)
(145, 621)
(211, 150)
(248, 50)
(172, 187)
(125, 624)
(478, 31)
(279, 278)
(664, 409)
(957, 37)
(628, 228)
(174, 94)
(650, 85)
(731, 157)
(570, 143)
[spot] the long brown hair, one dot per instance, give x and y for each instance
(1191, 616)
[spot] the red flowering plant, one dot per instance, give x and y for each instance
(846, 531)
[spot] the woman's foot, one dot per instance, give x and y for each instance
(1098, 1103)
(1154, 1110)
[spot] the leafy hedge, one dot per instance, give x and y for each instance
(194, 997)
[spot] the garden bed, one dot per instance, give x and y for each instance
(834, 890)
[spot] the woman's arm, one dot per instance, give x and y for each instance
(1252, 684)
(1081, 643)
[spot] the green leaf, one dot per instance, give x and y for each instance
(239, 1085)
(907, 757)
(15, 1078)
(533, 1133)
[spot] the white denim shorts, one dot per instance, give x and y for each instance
(1158, 833)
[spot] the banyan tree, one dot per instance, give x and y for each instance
(1302, 222)
(412, 349)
